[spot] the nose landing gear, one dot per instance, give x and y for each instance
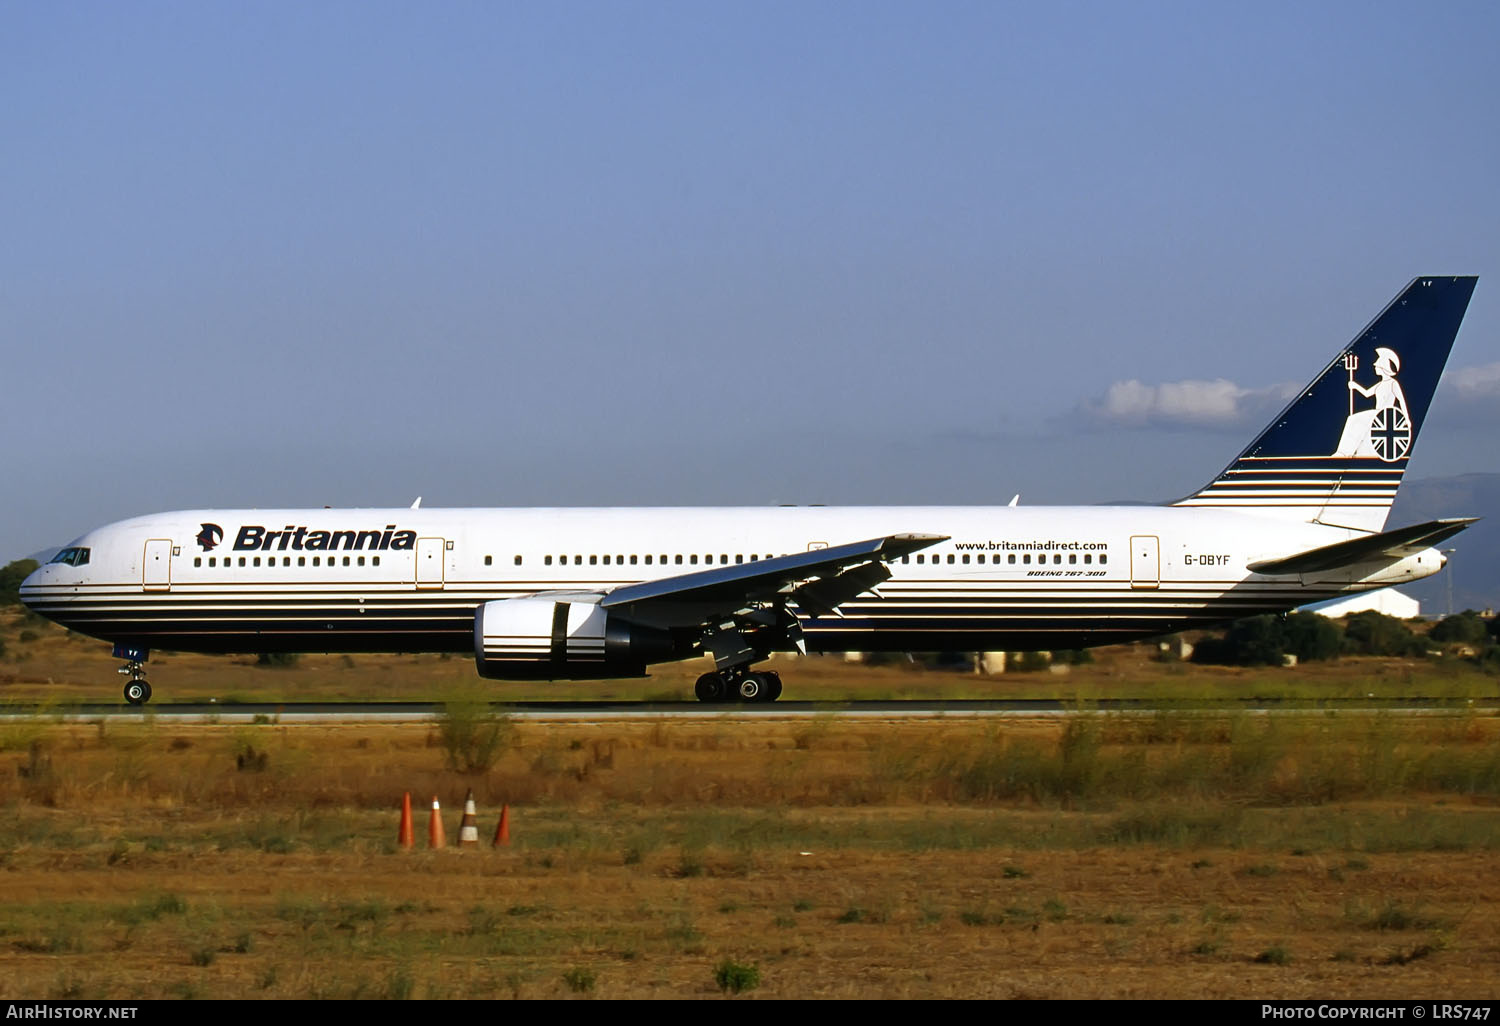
(137, 690)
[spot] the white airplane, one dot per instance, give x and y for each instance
(584, 594)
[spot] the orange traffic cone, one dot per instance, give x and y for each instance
(502, 832)
(404, 835)
(468, 827)
(435, 836)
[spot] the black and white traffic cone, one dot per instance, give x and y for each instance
(468, 828)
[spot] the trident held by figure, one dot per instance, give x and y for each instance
(1351, 362)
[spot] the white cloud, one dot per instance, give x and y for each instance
(1210, 404)
(1471, 384)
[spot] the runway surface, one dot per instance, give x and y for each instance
(398, 712)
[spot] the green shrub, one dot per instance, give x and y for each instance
(1372, 633)
(473, 735)
(734, 978)
(1267, 640)
(1465, 628)
(1311, 637)
(579, 980)
(11, 576)
(1276, 954)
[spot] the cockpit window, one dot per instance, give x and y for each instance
(72, 557)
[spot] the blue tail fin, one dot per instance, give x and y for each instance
(1336, 454)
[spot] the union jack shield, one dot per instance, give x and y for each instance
(1390, 434)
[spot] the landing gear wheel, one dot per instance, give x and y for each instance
(752, 687)
(137, 692)
(710, 688)
(773, 685)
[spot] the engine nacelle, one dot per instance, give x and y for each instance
(552, 639)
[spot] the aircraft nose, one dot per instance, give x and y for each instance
(33, 580)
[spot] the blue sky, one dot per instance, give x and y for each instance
(284, 254)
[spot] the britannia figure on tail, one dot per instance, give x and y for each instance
(1385, 431)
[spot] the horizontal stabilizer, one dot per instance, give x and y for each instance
(1388, 545)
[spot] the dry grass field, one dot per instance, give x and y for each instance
(1173, 855)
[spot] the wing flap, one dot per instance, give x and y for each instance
(819, 580)
(1388, 545)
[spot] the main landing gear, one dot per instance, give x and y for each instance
(739, 684)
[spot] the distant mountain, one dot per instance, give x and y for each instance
(1473, 570)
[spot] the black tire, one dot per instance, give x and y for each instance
(137, 692)
(773, 686)
(710, 688)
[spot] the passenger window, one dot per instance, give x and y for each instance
(693, 559)
(950, 559)
(242, 561)
(547, 560)
(593, 561)
(632, 559)
(1087, 558)
(197, 560)
(361, 560)
(578, 561)
(1011, 559)
(606, 561)
(1072, 558)
(488, 560)
(376, 560)
(301, 560)
(906, 559)
(1103, 559)
(921, 558)
(679, 559)
(966, 559)
(1056, 558)
(317, 561)
(1026, 558)
(346, 560)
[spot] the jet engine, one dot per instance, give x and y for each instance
(553, 639)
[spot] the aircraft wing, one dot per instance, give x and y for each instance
(818, 582)
(1388, 545)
